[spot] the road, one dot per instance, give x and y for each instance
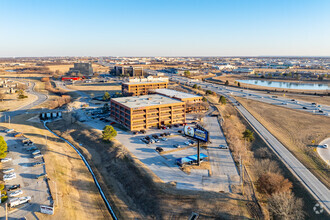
(324, 152)
(22, 110)
(258, 96)
(317, 189)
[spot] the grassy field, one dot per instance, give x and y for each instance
(296, 130)
(11, 102)
(78, 195)
(96, 88)
(135, 186)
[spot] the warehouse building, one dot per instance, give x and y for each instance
(142, 88)
(143, 112)
(194, 103)
(127, 71)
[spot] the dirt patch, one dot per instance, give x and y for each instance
(122, 175)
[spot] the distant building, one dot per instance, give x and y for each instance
(127, 71)
(243, 70)
(142, 112)
(142, 88)
(81, 69)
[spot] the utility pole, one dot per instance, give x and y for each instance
(46, 140)
(9, 120)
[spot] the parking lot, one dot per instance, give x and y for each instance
(164, 164)
(27, 172)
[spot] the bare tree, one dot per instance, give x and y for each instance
(265, 166)
(284, 205)
(270, 183)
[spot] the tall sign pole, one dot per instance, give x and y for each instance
(198, 154)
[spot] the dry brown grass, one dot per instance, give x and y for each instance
(296, 130)
(63, 68)
(11, 102)
(78, 195)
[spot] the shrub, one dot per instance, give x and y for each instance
(270, 183)
(108, 133)
(3, 147)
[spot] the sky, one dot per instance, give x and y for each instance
(164, 28)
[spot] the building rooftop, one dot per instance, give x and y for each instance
(136, 83)
(145, 101)
(175, 94)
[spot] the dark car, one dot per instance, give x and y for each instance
(155, 136)
(304, 107)
(169, 126)
(13, 187)
(180, 131)
(176, 125)
(162, 134)
(321, 111)
(135, 132)
(143, 131)
(159, 149)
(147, 138)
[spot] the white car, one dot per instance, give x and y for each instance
(35, 152)
(16, 193)
(6, 159)
(9, 174)
(9, 130)
(8, 170)
(187, 143)
(325, 146)
(6, 178)
(37, 156)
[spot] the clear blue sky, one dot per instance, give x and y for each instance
(164, 28)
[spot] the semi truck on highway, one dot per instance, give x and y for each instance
(18, 201)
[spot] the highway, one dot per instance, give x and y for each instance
(317, 189)
(258, 96)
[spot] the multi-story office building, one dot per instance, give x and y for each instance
(142, 88)
(193, 102)
(142, 112)
(81, 69)
(127, 71)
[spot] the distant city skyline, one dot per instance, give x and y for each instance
(164, 28)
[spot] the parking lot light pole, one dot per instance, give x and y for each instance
(198, 154)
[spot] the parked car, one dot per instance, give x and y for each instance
(135, 132)
(325, 146)
(38, 164)
(304, 107)
(9, 177)
(6, 159)
(8, 170)
(36, 152)
(9, 130)
(16, 193)
(176, 125)
(19, 134)
(321, 111)
(13, 187)
(164, 139)
(187, 143)
(159, 149)
(168, 134)
(142, 131)
(32, 148)
(176, 146)
(155, 136)
(192, 142)
(37, 156)
(223, 147)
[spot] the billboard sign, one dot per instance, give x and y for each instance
(196, 133)
(47, 209)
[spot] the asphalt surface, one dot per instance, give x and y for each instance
(22, 162)
(317, 189)
(324, 152)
